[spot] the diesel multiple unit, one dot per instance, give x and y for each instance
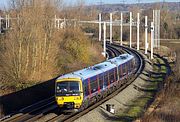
(79, 89)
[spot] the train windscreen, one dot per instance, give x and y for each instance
(68, 88)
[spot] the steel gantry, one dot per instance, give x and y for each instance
(155, 28)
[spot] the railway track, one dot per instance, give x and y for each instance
(46, 107)
(31, 111)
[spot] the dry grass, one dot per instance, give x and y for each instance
(168, 109)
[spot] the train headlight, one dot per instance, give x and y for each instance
(77, 105)
(60, 98)
(77, 98)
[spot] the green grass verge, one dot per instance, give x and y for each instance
(138, 106)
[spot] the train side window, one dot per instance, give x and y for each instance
(111, 76)
(124, 69)
(127, 66)
(120, 71)
(101, 82)
(94, 86)
(116, 74)
(131, 64)
(106, 79)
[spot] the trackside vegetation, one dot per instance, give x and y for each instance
(33, 50)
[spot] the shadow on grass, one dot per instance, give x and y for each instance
(153, 76)
(144, 89)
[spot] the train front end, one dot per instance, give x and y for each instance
(69, 93)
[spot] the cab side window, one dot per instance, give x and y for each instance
(85, 88)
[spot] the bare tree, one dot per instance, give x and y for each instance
(32, 39)
(33, 50)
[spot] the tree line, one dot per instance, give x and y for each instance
(33, 50)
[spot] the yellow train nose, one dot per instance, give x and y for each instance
(77, 98)
(59, 98)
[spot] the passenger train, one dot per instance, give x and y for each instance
(77, 90)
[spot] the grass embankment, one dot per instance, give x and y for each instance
(167, 103)
(139, 105)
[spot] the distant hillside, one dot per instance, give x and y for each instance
(172, 6)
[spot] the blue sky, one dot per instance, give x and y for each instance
(91, 2)
(126, 1)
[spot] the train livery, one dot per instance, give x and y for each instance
(79, 89)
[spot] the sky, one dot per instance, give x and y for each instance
(92, 2)
(126, 1)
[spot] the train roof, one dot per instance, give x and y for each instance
(69, 75)
(98, 68)
(121, 59)
(90, 71)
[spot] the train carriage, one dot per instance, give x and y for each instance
(81, 88)
(94, 81)
(125, 64)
